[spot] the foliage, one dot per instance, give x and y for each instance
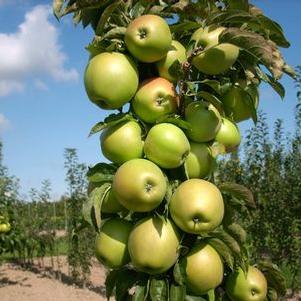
(272, 169)
(80, 241)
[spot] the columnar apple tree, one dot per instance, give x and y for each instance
(175, 78)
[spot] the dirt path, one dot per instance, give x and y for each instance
(17, 284)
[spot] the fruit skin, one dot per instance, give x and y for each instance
(127, 134)
(236, 102)
(200, 161)
(176, 52)
(5, 227)
(154, 245)
(111, 243)
(204, 269)
(205, 121)
(148, 38)
(166, 145)
(250, 287)
(217, 58)
(228, 135)
(111, 79)
(197, 206)
(139, 185)
(155, 98)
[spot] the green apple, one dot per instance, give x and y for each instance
(215, 58)
(228, 135)
(154, 245)
(176, 52)
(247, 287)
(204, 269)
(199, 162)
(5, 227)
(139, 185)
(166, 145)
(111, 80)
(111, 243)
(237, 102)
(122, 142)
(148, 38)
(204, 119)
(197, 206)
(155, 98)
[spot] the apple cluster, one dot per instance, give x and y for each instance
(147, 150)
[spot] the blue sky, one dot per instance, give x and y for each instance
(43, 106)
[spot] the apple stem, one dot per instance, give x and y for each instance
(186, 66)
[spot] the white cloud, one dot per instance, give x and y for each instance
(32, 51)
(9, 86)
(4, 123)
(39, 84)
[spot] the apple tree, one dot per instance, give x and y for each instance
(176, 78)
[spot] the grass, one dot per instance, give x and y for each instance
(290, 283)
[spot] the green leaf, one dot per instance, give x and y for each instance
(155, 9)
(179, 272)
(183, 27)
(213, 84)
(289, 70)
(116, 32)
(176, 120)
(137, 10)
(110, 282)
(230, 241)
(140, 291)
(272, 294)
(92, 207)
(250, 101)
(274, 276)
(176, 70)
(278, 88)
(101, 172)
(111, 120)
(239, 192)
(90, 16)
(194, 298)
(77, 17)
(158, 290)
(274, 30)
(97, 195)
(87, 211)
(239, 4)
(223, 250)
(125, 281)
(171, 187)
(211, 99)
(211, 295)
(177, 293)
(238, 232)
(57, 6)
(257, 46)
(105, 17)
(230, 16)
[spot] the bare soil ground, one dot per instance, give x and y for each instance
(36, 284)
(39, 283)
